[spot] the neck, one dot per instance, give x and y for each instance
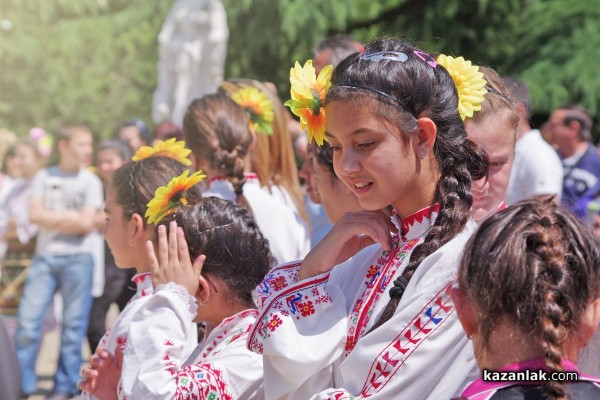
(419, 196)
(508, 345)
(67, 166)
(523, 128)
(572, 148)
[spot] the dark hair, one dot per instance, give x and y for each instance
(65, 132)
(537, 264)
(216, 130)
(577, 113)
(404, 91)
(341, 46)
(136, 182)
(236, 251)
(121, 148)
(141, 127)
(324, 155)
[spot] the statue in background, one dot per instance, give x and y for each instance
(192, 51)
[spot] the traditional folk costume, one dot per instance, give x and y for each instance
(313, 333)
(288, 237)
(117, 335)
(586, 388)
(160, 363)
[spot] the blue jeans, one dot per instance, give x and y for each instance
(72, 276)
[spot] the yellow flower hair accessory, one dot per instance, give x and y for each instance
(169, 198)
(171, 148)
(469, 82)
(258, 106)
(308, 94)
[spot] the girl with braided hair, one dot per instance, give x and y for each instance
(218, 132)
(528, 296)
(210, 281)
(366, 313)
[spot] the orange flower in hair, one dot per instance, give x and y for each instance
(258, 107)
(171, 148)
(167, 199)
(308, 94)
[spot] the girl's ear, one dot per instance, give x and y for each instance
(135, 230)
(425, 138)
(464, 311)
(203, 292)
(589, 321)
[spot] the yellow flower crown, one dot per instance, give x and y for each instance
(259, 108)
(469, 82)
(167, 199)
(308, 94)
(171, 148)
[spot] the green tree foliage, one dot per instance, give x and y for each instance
(95, 60)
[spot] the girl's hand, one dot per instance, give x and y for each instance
(352, 233)
(102, 378)
(173, 263)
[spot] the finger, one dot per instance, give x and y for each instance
(153, 261)
(182, 248)
(173, 256)
(197, 265)
(119, 356)
(96, 362)
(163, 246)
(89, 373)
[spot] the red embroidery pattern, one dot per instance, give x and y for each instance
(201, 382)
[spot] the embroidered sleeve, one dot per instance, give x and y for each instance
(183, 294)
(202, 382)
(310, 314)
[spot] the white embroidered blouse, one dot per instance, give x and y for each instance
(160, 363)
(313, 333)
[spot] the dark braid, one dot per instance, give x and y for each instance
(537, 265)
(236, 251)
(415, 90)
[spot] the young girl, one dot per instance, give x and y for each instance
(126, 230)
(494, 128)
(219, 135)
(328, 328)
(529, 298)
(227, 246)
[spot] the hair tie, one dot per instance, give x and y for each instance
(469, 83)
(171, 148)
(400, 285)
(167, 199)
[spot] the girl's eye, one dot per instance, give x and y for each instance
(497, 164)
(335, 147)
(366, 145)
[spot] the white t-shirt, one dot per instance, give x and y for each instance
(537, 169)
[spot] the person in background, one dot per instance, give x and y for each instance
(571, 128)
(118, 285)
(64, 202)
(9, 172)
(494, 128)
(167, 130)
(536, 168)
(528, 297)
(135, 133)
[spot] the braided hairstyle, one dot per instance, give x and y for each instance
(403, 92)
(535, 263)
(216, 129)
(136, 182)
(236, 251)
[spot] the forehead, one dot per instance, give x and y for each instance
(350, 118)
(494, 133)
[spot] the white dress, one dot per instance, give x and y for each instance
(160, 363)
(288, 237)
(312, 333)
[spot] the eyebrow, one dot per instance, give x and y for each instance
(357, 132)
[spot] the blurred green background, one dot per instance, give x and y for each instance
(95, 60)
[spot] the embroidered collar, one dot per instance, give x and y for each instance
(417, 223)
(143, 281)
(250, 176)
(533, 365)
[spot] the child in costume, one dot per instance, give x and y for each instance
(327, 328)
(210, 281)
(126, 230)
(220, 136)
(528, 296)
(494, 128)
